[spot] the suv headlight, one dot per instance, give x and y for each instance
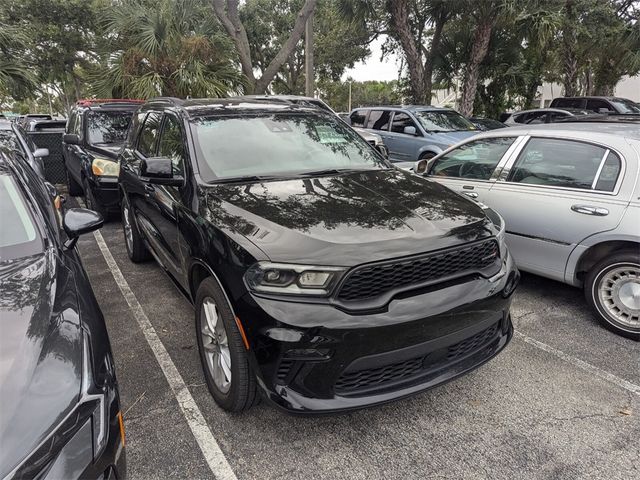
(287, 278)
(103, 167)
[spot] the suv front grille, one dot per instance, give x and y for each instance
(373, 280)
(352, 382)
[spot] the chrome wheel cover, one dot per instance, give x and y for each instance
(215, 344)
(126, 223)
(618, 292)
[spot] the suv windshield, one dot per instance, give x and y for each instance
(104, 128)
(445, 121)
(278, 144)
(18, 235)
(625, 106)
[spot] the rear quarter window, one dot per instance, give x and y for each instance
(358, 118)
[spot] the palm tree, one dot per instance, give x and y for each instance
(168, 48)
(15, 76)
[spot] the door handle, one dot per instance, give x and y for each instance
(471, 194)
(589, 210)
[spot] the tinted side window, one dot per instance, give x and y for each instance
(522, 118)
(568, 103)
(474, 160)
(149, 134)
(536, 117)
(555, 116)
(401, 120)
(596, 104)
(379, 119)
(171, 144)
(557, 163)
(77, 125)
(609, 173)
(71, 122)
(358, 118)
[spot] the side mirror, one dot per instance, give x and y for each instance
(420, 167)
(71, 139)
(78, 221)
(158, 170)
(410, 130)
(41, 152)
(603, 110)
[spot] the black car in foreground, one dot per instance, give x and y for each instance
(60, 414)
(321, 275)
(96, 130)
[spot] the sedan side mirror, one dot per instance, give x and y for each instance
(41, 152)
(410, 130)
(420, 167)
(71, 139)
(78, 221)
(603, 110)
(158, 170)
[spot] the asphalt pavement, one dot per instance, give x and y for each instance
(562, 401)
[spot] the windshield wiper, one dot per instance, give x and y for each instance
(333, 171)
(249, 179)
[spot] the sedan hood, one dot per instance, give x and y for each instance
(40, 355)
(347, 219)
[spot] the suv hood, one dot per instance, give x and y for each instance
(108, 151)
(40, 354)
(347, 219)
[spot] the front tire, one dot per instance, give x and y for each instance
(612, 288)
(136, 249)
(91, 202)
(224, 359)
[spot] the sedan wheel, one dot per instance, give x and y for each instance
(216, 346)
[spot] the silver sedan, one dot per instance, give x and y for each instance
(570, 196)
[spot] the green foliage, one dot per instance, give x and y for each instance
(336, 94)
(15, 77)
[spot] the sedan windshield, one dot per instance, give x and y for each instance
(108, 127)
(278, 144)
(18, 235)
(443, 121)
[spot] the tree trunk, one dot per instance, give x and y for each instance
(433, 52)
(479, 51)
(400, 21)
(227, 12)
(569, 44)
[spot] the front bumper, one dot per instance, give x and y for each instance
(317, 358)
(105, 191)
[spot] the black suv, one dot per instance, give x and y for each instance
(321, 275)
(61, 413)
(598, 104)
(95, 132)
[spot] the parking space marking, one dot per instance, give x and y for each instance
(212, 453)
(598, 372)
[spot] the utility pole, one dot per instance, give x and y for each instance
(349, 109)
(308, 57)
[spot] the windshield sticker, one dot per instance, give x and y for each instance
(327, 134)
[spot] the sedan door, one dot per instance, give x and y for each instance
(473, 167)
(553, 195)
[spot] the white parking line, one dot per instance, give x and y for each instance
(598, 372)
(206, 441)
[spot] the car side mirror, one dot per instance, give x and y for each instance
(41, 152)
(159, 171)
(420, 167)
(78, 221)
(71, 139)
(410, 130)
(603, 110)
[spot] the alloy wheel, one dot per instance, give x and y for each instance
(619, 294)
(216, 345)
(126, 223)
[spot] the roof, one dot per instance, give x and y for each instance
(623, 130)
(571, 110)
(109, 104)
(412, 108)
(197, 107)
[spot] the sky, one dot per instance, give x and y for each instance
(374, 69)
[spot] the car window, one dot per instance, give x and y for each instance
(27, 139)
(379, 119)
(9, 140)
(105, 128)
(625, 106)
(77, 126)
(71, 122)
(568, 103)
(475, 160)
(555, 116)
(596, 104)
(19, 236)
(401, 120)
(436, 121)
(557, 163)
(521, 118)
(358, 118)
(171, 144)
(149, 134)
(536, 117)
(609, 173)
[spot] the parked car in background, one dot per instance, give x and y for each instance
(61, 413)
(24, 120)
(96, 130)
(414, 132)
(485, 124)
(372, 138)
(570, 196)
(46, 126)
(544, 115)
(320, 274)
(13, 137)
(597, 104)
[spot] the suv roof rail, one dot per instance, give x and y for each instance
(88, 102)
(171, 100)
